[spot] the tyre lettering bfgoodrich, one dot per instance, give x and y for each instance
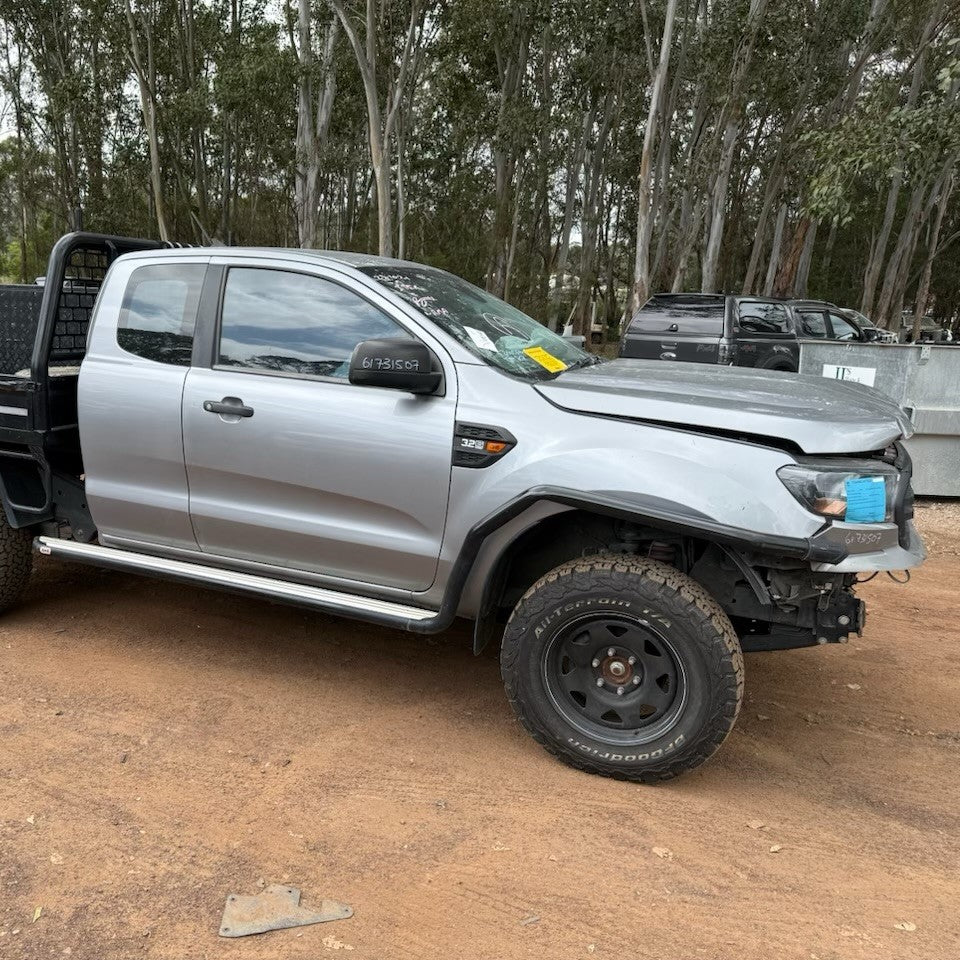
(627, 757)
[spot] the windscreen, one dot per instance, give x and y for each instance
(497, 333)
(693, 316)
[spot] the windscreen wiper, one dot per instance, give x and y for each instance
(589, 361)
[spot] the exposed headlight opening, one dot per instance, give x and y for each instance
(859, 491)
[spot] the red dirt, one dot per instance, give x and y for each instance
(164, 746)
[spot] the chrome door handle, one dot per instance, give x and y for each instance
(229, 406)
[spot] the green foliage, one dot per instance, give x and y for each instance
(480, 155)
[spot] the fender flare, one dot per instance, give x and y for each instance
(644, 509)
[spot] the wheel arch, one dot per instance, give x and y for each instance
(780, 363)
(595, 521)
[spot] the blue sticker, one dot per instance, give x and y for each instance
(866, 499)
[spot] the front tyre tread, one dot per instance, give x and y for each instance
(703, 614)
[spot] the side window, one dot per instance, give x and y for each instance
(813, 325)
(159, 311)
(284, 322)
(843, 329)
(756, 317)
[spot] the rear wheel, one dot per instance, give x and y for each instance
(780, 365)
(16, 561)
(624, 667)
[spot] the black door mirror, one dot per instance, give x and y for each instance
(399, 364)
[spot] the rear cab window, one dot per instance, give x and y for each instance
(681, 316)
(159, 312)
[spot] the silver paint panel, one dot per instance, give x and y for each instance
(326, 477)
(731, 482)
(270, 571)
(817, 414)
(891, 558)
(363, 495)
(329, 477)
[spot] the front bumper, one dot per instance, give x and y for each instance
(873, 547)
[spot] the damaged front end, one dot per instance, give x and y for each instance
(778, 605)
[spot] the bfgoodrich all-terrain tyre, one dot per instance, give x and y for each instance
(16, 561)
(623, 666)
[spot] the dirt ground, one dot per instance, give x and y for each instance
(163, 746)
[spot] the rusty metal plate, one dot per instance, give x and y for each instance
(277, 908)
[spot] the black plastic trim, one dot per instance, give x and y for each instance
(723, 534)
(727, 537)
(903, 507)
(466, 435)
(756, 583)
(205, 324)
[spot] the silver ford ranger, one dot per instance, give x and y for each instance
(384, 441)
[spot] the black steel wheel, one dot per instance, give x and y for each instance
(615, 678)
(623, 666)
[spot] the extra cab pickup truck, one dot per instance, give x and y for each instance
(381, 440)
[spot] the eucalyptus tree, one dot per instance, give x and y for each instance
(373, 35)
(641, 281)
(314, 113)
(571, 156)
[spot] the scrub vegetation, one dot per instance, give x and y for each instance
(569, 157)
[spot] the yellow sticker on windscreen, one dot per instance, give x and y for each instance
(546, 360)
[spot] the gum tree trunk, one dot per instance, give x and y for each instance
(640, 290)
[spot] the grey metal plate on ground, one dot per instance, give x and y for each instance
(277, 908)
(924, 379)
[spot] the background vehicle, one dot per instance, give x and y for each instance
(819, 320)
(871, 332)
(726, 329)
(384, 441)
(930, 330)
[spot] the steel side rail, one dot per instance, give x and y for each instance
(330, 601)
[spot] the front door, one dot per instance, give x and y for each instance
(312, 472)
